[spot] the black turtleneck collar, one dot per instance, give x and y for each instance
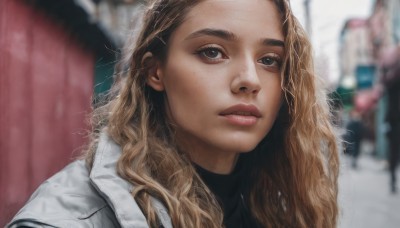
(229, 190)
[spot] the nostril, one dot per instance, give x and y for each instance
(243, 89)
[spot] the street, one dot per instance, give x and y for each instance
(364, 195)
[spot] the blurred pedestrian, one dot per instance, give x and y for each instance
(391, 80)
(393, 135)
(354, 134)
(219, 123)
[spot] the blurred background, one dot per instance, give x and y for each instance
(56, 57)
(357, 53)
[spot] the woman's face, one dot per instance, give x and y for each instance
(221, 77)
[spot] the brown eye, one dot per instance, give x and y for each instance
(211, 53)
(268, 61)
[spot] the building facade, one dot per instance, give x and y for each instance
(53, 56)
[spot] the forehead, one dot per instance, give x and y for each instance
(257, 18)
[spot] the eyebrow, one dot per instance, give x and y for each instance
(226, 35)
(273, 42)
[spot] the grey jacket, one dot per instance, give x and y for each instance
(76, 198)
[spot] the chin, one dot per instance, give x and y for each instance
(247, 149)
(242, 143)
(239, 146)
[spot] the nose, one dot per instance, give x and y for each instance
(246, 80)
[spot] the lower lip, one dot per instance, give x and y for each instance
(241, 120)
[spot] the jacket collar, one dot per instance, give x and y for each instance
(117, 191)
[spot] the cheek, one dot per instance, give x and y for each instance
(189, 83)
(272, 96)
(272, 91)
(182, 87)
(179, 84)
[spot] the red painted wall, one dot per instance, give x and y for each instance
(46, 83)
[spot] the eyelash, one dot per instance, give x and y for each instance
(202, 53)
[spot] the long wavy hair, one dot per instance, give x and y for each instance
(293, 176)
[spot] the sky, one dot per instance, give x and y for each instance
(327, 20)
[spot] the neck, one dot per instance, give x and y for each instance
(209, 158)
(215, 163)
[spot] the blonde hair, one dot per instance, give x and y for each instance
(294, 169)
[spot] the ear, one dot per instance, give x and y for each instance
(153, 72)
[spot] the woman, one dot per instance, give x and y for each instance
(219, 122)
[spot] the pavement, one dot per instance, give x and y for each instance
(365, 199)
